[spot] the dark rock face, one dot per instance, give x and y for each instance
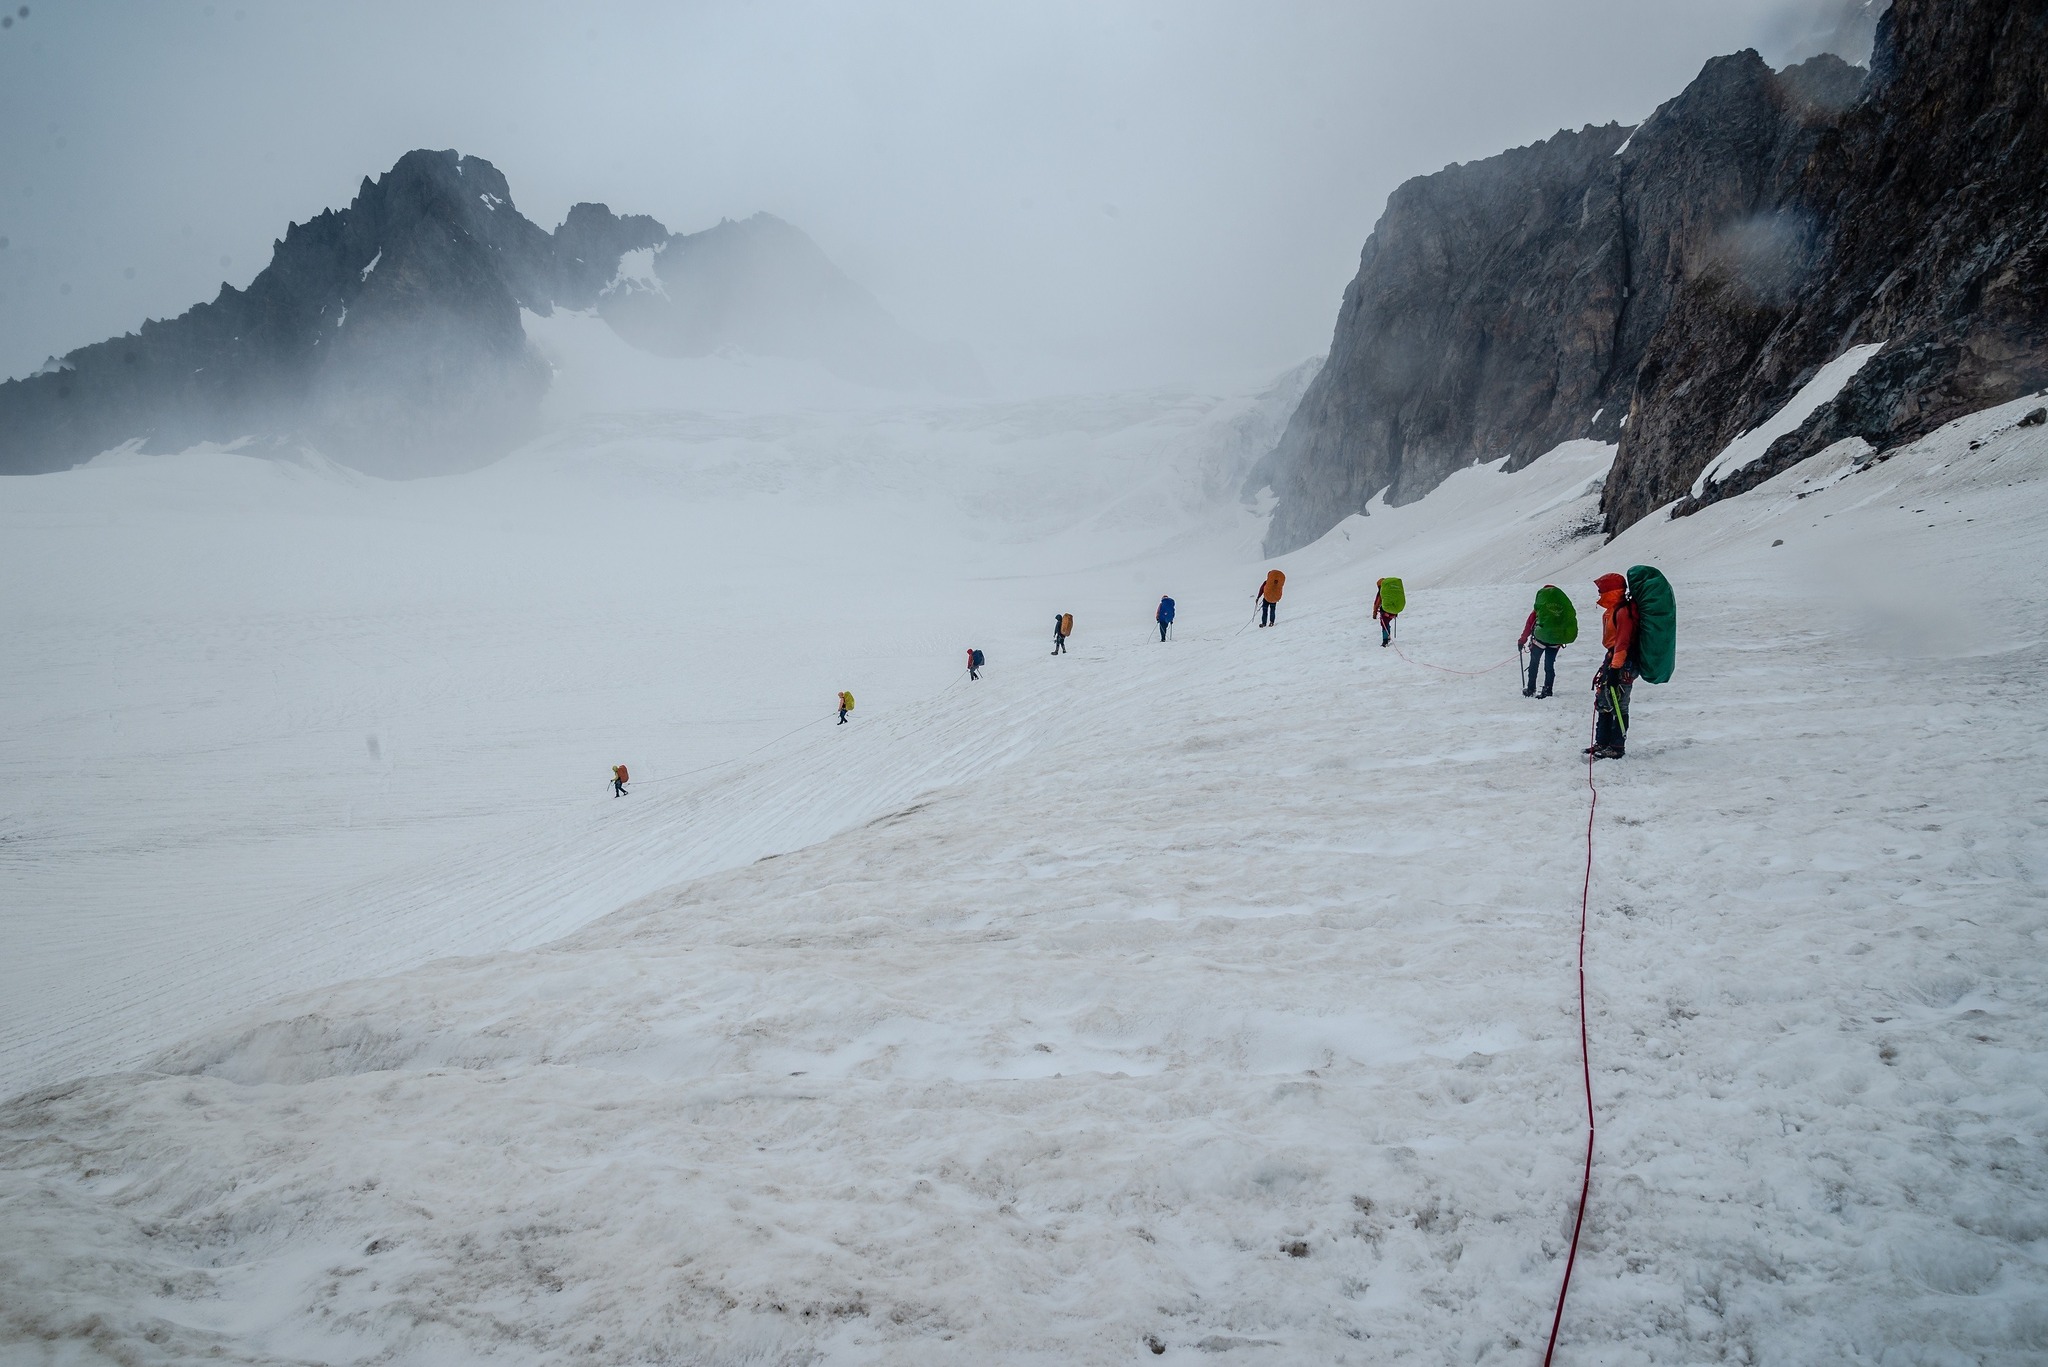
(1504, 306)
(588, 246)
(1929, 209)
(1482, 317)
(388, 334)
(1749, 232)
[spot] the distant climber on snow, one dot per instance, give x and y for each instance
(845, 706)
(1062, 628)
(1640, 634)
(1164, 617)
(975, 660)
(1389, 600)
(1553, 624)
(619, 779)
(1268, 597)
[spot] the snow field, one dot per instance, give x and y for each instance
(281, 724)
(1217, 994)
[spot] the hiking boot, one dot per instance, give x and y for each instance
(1544, 694)
(1604, 751)
(1528, 692)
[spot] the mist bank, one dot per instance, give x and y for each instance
(388, 335)
(1672, 286)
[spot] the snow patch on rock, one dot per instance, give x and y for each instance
(1822, 388)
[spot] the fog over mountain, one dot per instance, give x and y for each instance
(388, 334)
(697, 682)
(1084, 195)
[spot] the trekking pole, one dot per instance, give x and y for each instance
(1522, 656)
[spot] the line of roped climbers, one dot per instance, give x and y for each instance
(1638, 637)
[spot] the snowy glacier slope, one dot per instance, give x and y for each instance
(276, 724)
(1199, 1002)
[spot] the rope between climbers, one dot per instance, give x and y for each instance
(1446, 669)
(1585, 1062)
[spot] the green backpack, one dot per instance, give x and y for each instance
(1557, 621)
(1656, 647)
(1393, 598)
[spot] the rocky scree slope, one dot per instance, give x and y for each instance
(1669, 287)
(388, 335)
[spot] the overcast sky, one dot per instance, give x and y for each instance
(1089, 193)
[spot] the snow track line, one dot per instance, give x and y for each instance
(1585, 1058)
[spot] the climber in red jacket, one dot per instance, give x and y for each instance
(1614, 678)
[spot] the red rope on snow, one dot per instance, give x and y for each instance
(1445, 669)
(1585, 1061)
(1585, 1046)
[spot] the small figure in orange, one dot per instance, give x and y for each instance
(1268, 597)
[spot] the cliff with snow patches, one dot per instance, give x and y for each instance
(1671, 286)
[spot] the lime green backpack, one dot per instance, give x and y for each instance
(1393, 598)
(1557, 621)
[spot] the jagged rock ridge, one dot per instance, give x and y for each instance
(1504, 306)
(388, 334)
(1927, 209)
(1693, 273)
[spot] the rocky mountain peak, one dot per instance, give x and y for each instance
(1679, 290)
(1505, 305)
(388, 333)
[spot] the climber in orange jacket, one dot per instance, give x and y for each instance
(1268, 597)
(1613, 680)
